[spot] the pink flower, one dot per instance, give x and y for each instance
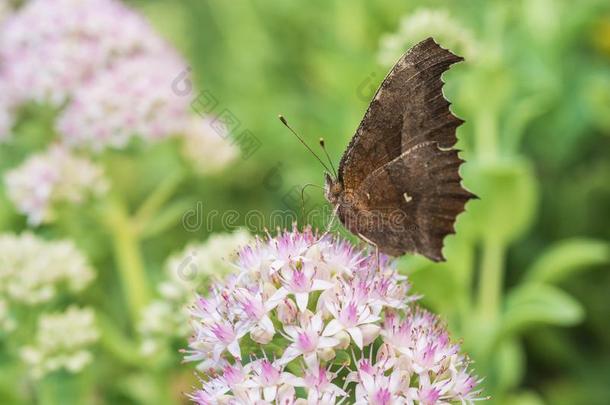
(72, 39)
(300, 280)
(53, 178)
(268, 378)
(352, 313)
(254, 308)
(318, 382)
(306, 339)
(129, 99)
(343, 303)
(380, 389)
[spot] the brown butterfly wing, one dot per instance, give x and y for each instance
(401, 186)
(407, 109)
(410, 203)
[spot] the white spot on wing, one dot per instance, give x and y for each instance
(443, 149)
(407, 197)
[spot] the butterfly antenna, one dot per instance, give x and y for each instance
(330, 161)
(281, 117)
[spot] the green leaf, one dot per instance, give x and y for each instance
(62, 387)
(342, 358)
(510, 364)
(524, 398)
(567, 257)
(531, 304)
(168, 217)
(508, 195)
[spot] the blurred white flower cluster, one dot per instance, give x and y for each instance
(424, 23)
(47, 179)
(186, 272)
(33, 270)
(315, 321)
(206, 145)
(62, 341)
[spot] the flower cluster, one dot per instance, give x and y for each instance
(50, 178)
(100, 57)
(132, 98)
(424, 23)
(62, 342)
(206, 145)
(72, 40)
(315, 318)
(32, 269)
(109, 74)
(167, 317)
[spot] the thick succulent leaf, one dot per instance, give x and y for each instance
(568, 257)
(531, 304)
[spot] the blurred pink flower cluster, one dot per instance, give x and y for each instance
(51, 178)
(100, 60)
(132, 97)
(109, 77)
(318, 316)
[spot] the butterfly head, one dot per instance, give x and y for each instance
(332, 188)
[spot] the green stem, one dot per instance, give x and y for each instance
(492, 273)
(129, 259)
(158, 198)
(116, 343)
(486, 135)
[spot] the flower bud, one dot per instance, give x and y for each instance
(369, 333)
(344, 340)
(327, 354)
(287, 312)
(261, 335)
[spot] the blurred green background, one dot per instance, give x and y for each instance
(526, 282)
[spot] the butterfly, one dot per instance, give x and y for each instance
(398, 185)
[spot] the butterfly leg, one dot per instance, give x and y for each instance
(303, 199)
(329, 226)
(370, 242)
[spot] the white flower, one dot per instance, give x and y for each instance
(62, 341)
(50, 178)
(189, 269)
(32, 270)
(186, 272)
(207, 145)
(424, 23)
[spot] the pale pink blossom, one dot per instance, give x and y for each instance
(310, 304)
(300, 280)
(352, 313)
(307, 339)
